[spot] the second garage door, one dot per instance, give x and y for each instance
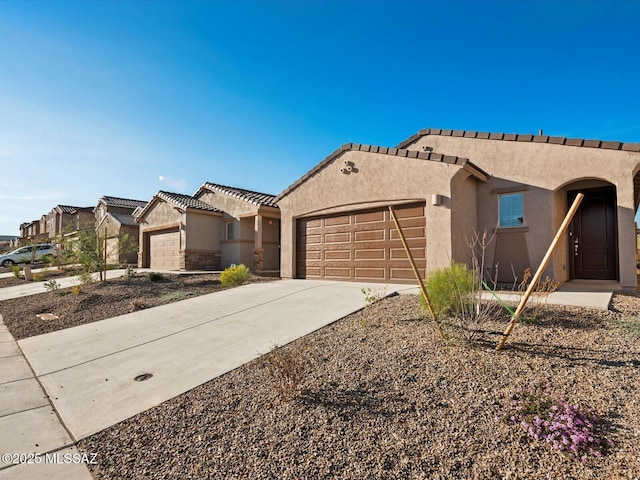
(361, 245)
(164, 250)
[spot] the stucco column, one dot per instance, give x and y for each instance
(627, 234)
(258, 251)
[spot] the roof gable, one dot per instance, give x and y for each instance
(178, 199)
(255, 198)
(513, 137)
(396, 152)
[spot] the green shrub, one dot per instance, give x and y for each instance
(85, 277)
(154, 277)
(450, 289)
(235, 275)
(16, 271)
(38, 277)
(52, 286)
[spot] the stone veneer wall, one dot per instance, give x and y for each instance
(200, 260)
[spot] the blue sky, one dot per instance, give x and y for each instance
(105, 98)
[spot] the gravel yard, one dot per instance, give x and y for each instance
(97, 301)
(383, 397)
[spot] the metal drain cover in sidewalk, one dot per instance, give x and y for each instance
(143, 377)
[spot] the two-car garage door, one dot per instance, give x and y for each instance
(361, 245)
(164, 249)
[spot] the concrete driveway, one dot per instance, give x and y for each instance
(89, 371)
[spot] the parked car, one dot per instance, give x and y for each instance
(26, 254)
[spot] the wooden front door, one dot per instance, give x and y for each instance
(593, 243)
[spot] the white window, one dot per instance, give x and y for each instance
(228, 231)
(511, 210)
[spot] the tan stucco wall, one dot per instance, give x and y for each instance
(548, 170)
(203, 231)
(230, 205)
(378, 180)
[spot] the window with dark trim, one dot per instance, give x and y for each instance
(511, 210)
(228, 231)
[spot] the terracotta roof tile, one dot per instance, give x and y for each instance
(186, 201)
(572, 142)
(396, 152)
(255, 198)
(122, 202)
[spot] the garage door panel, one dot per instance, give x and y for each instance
(370, 254)
(164, 250)
(409, 212)
(361, 218)
(337, 272)
(409, 232)
(344, 220)
(370, 235)
(375, 273)
(338, 254)
(337, 238)
(361, 245)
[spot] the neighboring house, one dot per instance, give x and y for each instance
(6, 242)
(66, 220)
(216, 227)
(31, 233)
(114, 215)
(446, 185)
(251, 233)
(176, 233)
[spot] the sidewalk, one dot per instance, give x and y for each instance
(29, 424)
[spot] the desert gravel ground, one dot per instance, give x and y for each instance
(383, 397)
(98, 301)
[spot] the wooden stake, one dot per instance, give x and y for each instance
(543, 265)
(415, 272)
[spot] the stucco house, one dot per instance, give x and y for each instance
(114, 217)
(66, 220)
(448, 184)
(216, 227)
(251, 230)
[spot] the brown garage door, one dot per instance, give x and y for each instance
(361, 245)
(164, 250)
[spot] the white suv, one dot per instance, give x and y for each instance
(26, 254)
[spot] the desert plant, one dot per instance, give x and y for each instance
(76, 289)
(136, 305)
(176, 296)
(631, 326)
(549, 418)
(16, 271)
(539, 297)
(457, 293)
(130, 272)
(287, 367)
(85, 277)
(235, 275)
(370, 298)
(38, 277)
(449, 289)
(51, 285)
(155, 277)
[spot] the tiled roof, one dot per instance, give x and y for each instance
(122, 202)
(68, 208)
(123, 219)
(397, 152)
(513, 137)
(186, 201)
(255, 198)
